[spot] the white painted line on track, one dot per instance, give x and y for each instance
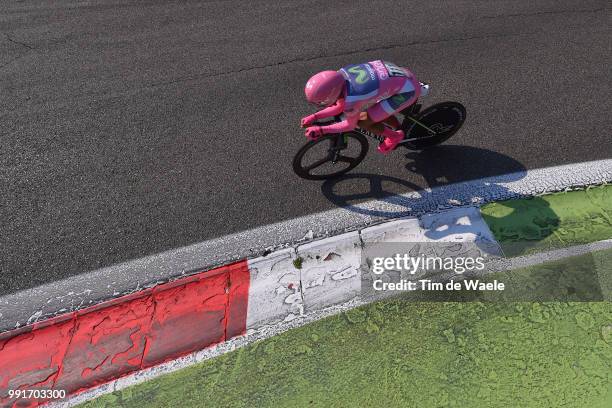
(549, 256)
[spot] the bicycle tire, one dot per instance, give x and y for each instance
(441, 115)
(305, 171)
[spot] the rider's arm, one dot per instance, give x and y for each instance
(333, 110)
(349, 123)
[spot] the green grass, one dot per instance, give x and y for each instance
(551, 221)
(400, 353)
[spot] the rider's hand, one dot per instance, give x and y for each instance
(313, 132)
(308, 120)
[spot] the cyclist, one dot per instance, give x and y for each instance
(366, 95)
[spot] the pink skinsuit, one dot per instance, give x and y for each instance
(380, 88)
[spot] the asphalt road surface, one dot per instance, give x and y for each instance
(132, 127)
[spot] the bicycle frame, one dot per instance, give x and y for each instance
(423, 129)
(408, 115)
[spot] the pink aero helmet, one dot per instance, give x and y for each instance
(324, 88)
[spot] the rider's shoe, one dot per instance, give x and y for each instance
(392, 138)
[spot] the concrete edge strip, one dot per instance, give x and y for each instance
(274, 329)
(98, 344)
(36, 304)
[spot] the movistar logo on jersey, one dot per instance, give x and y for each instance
(361, 75)
(362, 80)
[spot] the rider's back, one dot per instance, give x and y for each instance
(372, 82)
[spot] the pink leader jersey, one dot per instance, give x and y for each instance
(380, 88)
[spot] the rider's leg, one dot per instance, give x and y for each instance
(387, 108)
(392, 121)
(377, 127)
(392, 137)
(366, 123)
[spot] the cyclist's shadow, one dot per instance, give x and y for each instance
(442, 167)
(457, 175)
(454, 176)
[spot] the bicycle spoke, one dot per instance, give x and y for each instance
(317, 164)
(432, 132)
(412, 139)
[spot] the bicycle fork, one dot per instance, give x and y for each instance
(340, 143)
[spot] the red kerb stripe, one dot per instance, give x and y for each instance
(82, 349)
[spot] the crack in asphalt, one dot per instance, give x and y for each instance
(340, 54)
(290, 61)
(540, 13)
(23, 44)
(286, 62)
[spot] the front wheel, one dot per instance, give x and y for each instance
(434, 125)
(330, 156)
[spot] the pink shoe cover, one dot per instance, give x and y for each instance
(392, 138)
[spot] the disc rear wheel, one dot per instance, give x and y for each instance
(434, 125)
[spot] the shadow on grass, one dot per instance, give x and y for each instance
(521, 226)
